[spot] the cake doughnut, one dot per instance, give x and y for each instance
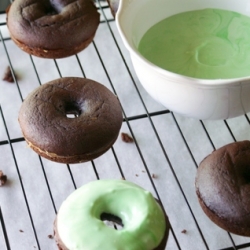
(80, 217)
(114, 5)
(46, 121)
(52, 28)
(223, 187)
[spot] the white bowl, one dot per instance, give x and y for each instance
(197, 98)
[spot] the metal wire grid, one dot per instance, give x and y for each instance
(163, 158)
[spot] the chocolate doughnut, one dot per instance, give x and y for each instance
(223, 187)
(82, 215)
(52, 28)
(53, 134)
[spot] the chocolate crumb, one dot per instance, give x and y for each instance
(127, 138)
(137, 175)
(8, 77)
(21, 231)
(3, 178)
(154, 176)
(184, 231)
(50, 236)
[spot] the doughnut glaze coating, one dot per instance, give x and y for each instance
(223, 187)
(52, 28)
(52, 134)
(81, 215)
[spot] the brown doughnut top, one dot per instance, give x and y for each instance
(223, 187)
(52, 28)
(113, 4)
(52, 134)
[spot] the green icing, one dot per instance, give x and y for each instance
(207, 44)
(80, 227)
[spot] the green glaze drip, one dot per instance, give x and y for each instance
(80, 227)
(207, 44)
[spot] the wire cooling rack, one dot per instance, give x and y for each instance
(163, 158)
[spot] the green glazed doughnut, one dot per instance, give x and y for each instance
(79, 223)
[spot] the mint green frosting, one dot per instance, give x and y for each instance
(80, 227)
(207, 44)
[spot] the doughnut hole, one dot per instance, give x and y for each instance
(50, 11)
(126, 215)
(73, 110)
(245, 173)
(57, 6)
(112, 220)
(240, 169)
